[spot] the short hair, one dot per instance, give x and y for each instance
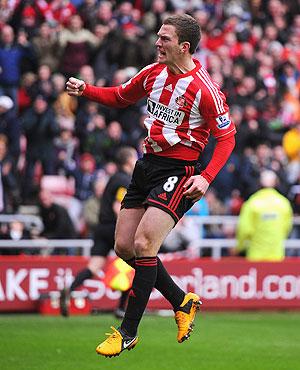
(187, 29)
(123, 155)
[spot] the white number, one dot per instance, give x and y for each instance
(169, 185)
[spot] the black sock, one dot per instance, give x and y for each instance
(123, 299)
(80, 277)
(165, 284)
(142, 285)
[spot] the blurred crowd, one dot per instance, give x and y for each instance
(58, 151)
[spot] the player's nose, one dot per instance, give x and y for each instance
(158, 43)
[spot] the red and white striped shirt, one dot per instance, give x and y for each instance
(183, 109)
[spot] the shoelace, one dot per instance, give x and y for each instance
(113, 335)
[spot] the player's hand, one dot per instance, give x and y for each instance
(196, 187)
(75, 87)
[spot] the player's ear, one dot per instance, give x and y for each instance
(185, 46)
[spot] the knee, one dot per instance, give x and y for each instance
(142, 246)
(123, 250)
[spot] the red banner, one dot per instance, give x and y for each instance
(225, 284)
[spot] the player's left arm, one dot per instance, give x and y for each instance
(216, 114)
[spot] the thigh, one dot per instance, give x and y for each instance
(152, 230)
(127, 223)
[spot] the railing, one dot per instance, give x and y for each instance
(84, 244)
(214, 220)
(216, 245)
(27, 220)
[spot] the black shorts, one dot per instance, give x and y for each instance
(158, 181)
(104, 239)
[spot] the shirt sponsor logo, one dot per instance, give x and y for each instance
(223, 121)
(165, 114)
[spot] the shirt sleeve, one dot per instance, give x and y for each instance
(120, 96)
(222, 151)
(214, 110)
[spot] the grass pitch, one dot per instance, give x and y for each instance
(221, 341)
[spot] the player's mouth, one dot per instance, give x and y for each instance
(160, 54)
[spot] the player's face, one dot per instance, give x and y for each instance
(168, 48)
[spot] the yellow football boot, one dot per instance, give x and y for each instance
(185, 316)
(116, 343)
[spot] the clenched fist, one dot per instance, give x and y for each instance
(75, 87)
(195, 187)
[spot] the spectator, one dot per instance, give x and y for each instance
(85, 114)
(105, 15)
(43, 84)
(12, 56)
(91, 206)
(24, 91)
(56, 220)
(16, 231)
(26, 16)
(226, 180)
(62, 10)
(64, 106)
(40, 127)
(131, 47)
(115, 138)
(84, 175)
(253, 162)
(265, 222)
(88, 12)
(291, 145)
(95, 139)
(153, 18)
(216, 208)
(10, 126)
(66, 148)
(9, 190)
(75, 43)
(45, 46)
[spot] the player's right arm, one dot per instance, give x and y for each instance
(118, 96)
(105, 95)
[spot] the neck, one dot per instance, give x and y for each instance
(182, 66)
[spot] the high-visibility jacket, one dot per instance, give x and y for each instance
(264, 223)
